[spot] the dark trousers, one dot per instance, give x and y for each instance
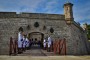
(23, 49)
(19, 50)
(44, 48)
(48, 49)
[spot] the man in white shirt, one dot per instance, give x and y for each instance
(27, 43)
(24, 42)
(20, 39)
(49, 43)
(44, 44)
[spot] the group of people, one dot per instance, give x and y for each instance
(47, 43)
(23, 42)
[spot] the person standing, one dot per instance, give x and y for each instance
(20, 39)
(24, 44)
(30, 43)
(44, 44)
(27, 43)
(49, 43)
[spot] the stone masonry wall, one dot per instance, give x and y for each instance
(78, 40)
(9, 28)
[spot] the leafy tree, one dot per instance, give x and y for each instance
(88, 30)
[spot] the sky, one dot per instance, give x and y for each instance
(81, 8)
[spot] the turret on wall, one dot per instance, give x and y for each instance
(85, 26)
(68, 12)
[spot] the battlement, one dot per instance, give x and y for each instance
(78, 25)
(31, 15)
(7, 14)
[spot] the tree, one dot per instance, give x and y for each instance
(88, 31)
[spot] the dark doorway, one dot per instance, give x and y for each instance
(37, 38)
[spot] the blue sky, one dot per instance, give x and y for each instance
(81, 8)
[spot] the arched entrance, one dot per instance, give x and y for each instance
(36, 37)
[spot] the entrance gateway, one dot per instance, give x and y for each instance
(36, 36)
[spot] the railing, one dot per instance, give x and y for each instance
(13, 46)
(59, 46)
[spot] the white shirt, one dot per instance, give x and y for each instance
(20, 36)
(24, 42)
(19, 44)
(44, 43)
(27, 42)
(49, 41)
(19, 40)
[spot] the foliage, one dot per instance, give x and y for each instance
(88, 31)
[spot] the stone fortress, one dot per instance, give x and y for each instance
(40, 25)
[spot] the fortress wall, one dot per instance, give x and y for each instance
(77, 40)
(31, 15)
(62, 30)
(59, 27)
(9, 28)
(7, 14)
(87, 43)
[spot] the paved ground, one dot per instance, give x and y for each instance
(36, 51)
(44, 57)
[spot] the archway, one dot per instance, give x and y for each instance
(36, 37)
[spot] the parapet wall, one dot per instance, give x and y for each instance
(31, 15)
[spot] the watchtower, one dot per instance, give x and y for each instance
(68, 12)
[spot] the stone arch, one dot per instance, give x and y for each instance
(36, 35)
(39, 36)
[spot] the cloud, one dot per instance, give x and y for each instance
(82, 11)
(52, 7)
(81, 7)
(29, 5)
(20, 5)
